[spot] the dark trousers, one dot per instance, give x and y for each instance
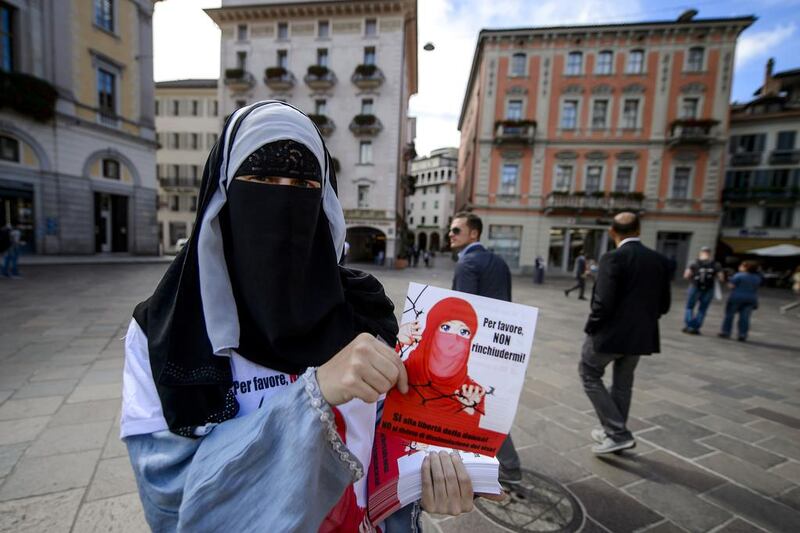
(612, 405)
(744, 308)
(580, 285)
(507, 455)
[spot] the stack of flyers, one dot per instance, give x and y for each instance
(395, 474)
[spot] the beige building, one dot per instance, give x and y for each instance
(430, 207)
(187, 124)
(352, 65)
(77, 139)
(562, 127)
(761, 198)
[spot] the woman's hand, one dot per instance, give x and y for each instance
(409, 333)
(364, 369)
(446, 486)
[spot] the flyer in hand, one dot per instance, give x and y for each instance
(466, 358)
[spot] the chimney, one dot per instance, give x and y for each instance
(771, 87)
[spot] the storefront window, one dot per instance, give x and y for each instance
(505, 241)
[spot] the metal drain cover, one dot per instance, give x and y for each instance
(537, 503)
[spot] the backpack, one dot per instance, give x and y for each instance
(704, 276)
(5, 240)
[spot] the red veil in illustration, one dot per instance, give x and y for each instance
(437, 368)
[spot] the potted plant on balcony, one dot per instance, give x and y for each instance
(365, 120)
(275, 73)
(27, 95)
(598, 194)
(318, 71)
(366, 71)
(636, 195)
(234, 73)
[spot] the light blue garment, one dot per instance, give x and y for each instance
(272, 470)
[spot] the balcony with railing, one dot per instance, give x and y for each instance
(279, 79)
(324, 123)
(746, 194)
(692, 131)
(179, 183)
(320, 78)
(514, 131)
(366, 125)
(746, 159)
(784, 157)
(367, 77)
(238, 80)
(594, 201)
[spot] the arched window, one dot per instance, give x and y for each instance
(694, 62)
(635, 62)
(518, 64)
(9, 149)
(574, 64)
(111, 169)
(605, 60)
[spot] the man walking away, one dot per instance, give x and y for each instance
(702, 275)
(481, 272)
(631, 293)
(580, 276)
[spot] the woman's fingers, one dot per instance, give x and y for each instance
(453, 501)
(464, 482)
(439, 487)
(427, 501)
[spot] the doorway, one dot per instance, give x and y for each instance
(675, 247)
(110, 222)
(16, 208)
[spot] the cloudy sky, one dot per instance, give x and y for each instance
(187, 43)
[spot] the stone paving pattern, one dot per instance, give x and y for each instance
(717, 422)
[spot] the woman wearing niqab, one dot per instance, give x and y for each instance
(226, 423)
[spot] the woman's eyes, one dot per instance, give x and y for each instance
(445, 327)
(303, 184)
(464, 332)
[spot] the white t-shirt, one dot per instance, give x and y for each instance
(253, 386)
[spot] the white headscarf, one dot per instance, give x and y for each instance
(268, 122)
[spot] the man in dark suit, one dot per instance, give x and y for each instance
(631, 293)
(481, 272)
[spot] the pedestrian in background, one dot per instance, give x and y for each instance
(580, 276)
(703, 276)
(484, 273)
(13, 236)
(631, 293)
(795, 279)
(742, 300)
(538, 270)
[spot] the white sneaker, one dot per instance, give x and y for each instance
(598, 435)
(610, 446)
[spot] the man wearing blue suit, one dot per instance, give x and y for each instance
(481, 272)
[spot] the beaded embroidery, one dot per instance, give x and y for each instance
(322, 408)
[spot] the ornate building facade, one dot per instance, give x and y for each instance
(77, 135)
(562, 127)
(352, 66)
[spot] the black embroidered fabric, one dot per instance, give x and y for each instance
(287, 159)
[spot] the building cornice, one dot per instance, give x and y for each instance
(310, 9)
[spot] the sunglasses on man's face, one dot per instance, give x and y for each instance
(455, 231)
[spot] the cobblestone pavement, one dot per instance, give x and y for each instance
(718, 422)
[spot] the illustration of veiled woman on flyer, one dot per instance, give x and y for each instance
(437, 367)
